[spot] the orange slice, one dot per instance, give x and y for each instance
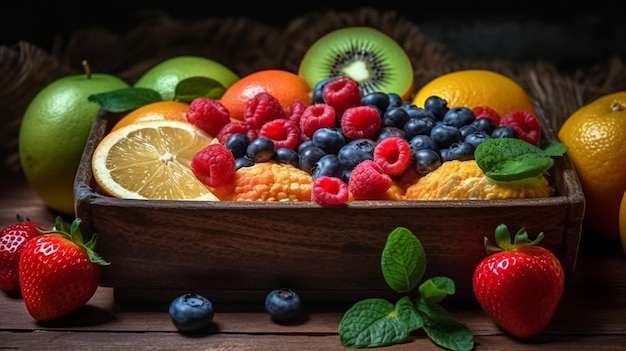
(151, 160)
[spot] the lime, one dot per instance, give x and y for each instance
(165, 75)
(53, 133)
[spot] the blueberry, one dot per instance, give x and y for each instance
(437, 105)
(261, 149)
(191, 313)
(504, 132)
(377, 99)
(484, 124)
(237, 143)
(445, 135)
(459, 116)
(288, 156)
(329, 139)
(305, 144)
(283, 305)
(309, 157)
(418, 112)
(388, 132)
(467, 130)
(395, 100)
(419, 142)
(425, 161)
(356, 151)
(395, 117)
(461, 151)
(328, 165)
(476, 138)
(243, 162)
(418, 126)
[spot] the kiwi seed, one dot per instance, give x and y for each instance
(372, 58)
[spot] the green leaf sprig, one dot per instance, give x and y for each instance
(377, 322)
(511, 159)
(187, 90)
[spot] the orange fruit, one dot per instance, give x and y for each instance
(622, 221)
(285, 86)
(595, 136)
(151, 160)
(475, 87)
(160, 110)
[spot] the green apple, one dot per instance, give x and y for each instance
(53, 133)
(165, 75)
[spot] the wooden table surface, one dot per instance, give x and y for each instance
(591, 315)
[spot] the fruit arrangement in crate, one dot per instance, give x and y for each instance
(282, 178)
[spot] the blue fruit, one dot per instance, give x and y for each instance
(191, 313)
(283, 305)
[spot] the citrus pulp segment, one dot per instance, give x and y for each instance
(151, 160)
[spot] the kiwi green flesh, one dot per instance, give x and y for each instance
(370, 57)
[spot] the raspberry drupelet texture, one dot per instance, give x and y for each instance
(262, 108)
(341, 94)
(208, 115)
(214, 165)
(368, 181)
(393, 155)
(329, 191)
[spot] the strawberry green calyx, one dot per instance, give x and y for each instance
(503, 240)
(72, 232)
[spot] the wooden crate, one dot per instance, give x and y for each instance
(239, 251)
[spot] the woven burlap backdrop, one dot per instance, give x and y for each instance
(246, 45)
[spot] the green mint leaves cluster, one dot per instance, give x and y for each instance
(377, 322)
(131, 98)
(510, 159)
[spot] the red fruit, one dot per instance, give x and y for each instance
(341, 93)
(361, 122)
(368, 181)
(393, 155)
(315, 117)
(520, 284)
(294, 111)
(283, 132)
(59, 272)
(329, 191)
(13, 238)
(262, 108)
(486, 111)
(525, 123)
(208, 115)
(214, 165)
(236, 127)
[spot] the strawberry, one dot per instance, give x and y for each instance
(58, 272)
(13, 238)
(519, 285)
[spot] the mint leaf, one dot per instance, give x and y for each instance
(403, 260)
(437, 288)
(410, 318)
(125, 99)
(553, 148)
(194, 87)
(444, 330)
(510, 159)
(371, 323)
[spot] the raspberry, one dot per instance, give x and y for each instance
(486, 111)
(208, 115)
(525, 123)
(283, 132)
(329, 191)
(361, 122)
(368, 181)
(317, 116)
(214, 165)
(341, 94)
(236, 127)
(294, 111)
(262, 108)
(393, 155)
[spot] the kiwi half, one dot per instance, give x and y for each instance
(370, 57)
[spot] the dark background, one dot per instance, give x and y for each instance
(571, 34)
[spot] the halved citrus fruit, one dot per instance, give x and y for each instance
(160, 110)
(151, 160)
